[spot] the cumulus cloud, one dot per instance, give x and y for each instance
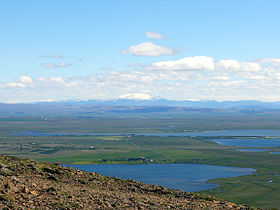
(25, 80)
(57, 80)
(22, 82)
(204, 63)
(226, 78)
(187, 63)
(54, 66)
(271, 61)
(250, 66)
(154, 35)
(228, 64)
(148, 49)
(218, 80)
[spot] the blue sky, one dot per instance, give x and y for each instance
(59, 50)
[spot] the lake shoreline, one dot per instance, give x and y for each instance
(188, 177)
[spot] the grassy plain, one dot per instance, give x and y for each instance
(261, 189)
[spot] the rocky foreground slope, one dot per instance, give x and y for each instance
(25, 183)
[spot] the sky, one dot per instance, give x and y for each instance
(100, 49)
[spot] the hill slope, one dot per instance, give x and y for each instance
(25, 183)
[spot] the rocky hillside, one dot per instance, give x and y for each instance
(26, 184)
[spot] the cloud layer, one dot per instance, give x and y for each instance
(187, 63)
(190, 78)
(148, 49)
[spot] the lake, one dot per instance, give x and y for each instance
(274, 153)
(186, 177)
(248, 142)
(252, 150)
(259, 133)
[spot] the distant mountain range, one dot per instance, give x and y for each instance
(247, 104)
(136, 107)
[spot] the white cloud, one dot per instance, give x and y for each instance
(148, 49)
(14, 85)
(221, 80)
(57, 80)
(257, 77)
(205, 63)
(54, 66)
(273, 61)
(154, 35)
(226, 78)
(250, 66)
(25, 80)
(228, 64)
(187, 63)
(22, 82)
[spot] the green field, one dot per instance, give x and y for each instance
(261, 189)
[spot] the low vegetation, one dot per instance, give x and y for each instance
(261, 189)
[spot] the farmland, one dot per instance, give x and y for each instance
(260, 189)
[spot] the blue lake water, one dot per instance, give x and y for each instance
(253, 150)
(274, 133)
(186, 177)
(274, 153)
(248, 142)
